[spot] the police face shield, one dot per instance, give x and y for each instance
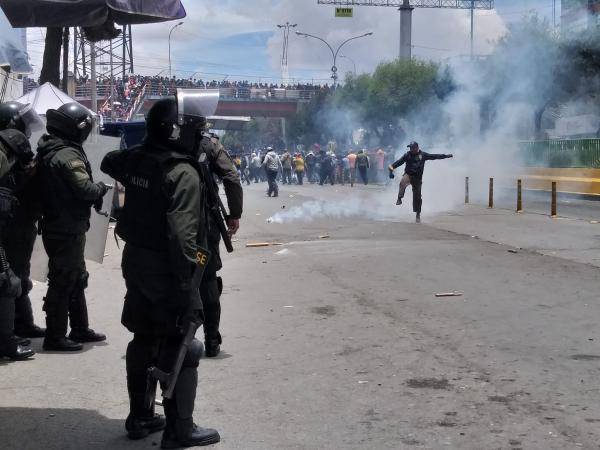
(33, 122)
(195, 104)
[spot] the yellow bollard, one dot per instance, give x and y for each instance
(491, 196)
(553, 212)
(519, 197)
(466, 190)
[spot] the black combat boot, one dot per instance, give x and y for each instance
(86, 335)
(10, 349)
(24, 325)
(185, 433)
(32, 331)
(61, 345)
(181, 431)
(56, 324)
(142, 421)
(212, 346)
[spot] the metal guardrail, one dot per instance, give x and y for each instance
(266, 94)
(559, 153)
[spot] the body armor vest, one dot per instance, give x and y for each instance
(63, 212)
(143, 221)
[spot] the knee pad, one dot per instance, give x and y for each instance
(194, 354)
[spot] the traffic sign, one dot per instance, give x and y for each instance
(344, 12)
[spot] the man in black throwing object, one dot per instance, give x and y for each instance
(413, 174)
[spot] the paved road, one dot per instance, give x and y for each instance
(339, 342)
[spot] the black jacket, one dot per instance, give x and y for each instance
(68, 190)
(415, 163)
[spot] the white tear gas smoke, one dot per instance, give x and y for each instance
(493, 107)
(380, 205)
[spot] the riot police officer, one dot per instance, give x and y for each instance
(219, 164)
(68, 194)
(163, 223)
(21, 232)
(14, 151)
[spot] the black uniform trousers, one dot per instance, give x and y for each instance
(152, 312)
(20, 236)
(67, 280)
(211, 288)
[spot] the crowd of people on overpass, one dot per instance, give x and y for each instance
(128, 89)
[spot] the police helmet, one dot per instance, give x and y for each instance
(176, 121)
(17, 116)
(71, 121)
(161, 120)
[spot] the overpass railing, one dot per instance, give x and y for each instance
(562, 153)
(232, 93)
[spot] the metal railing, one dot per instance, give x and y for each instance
(559, 153)
(141, 97)
(232, 93)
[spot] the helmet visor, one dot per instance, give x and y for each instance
(196, 103)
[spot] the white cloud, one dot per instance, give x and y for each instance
(204, 42)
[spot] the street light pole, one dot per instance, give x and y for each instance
(170, 32)
(334, 53)
(286, 45)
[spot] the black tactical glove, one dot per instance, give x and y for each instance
(98, 204)
(392, 176)
(104, 189)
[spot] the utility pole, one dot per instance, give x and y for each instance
(406, 30)
(94, 87)
(406, 7)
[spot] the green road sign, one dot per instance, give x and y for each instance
(343, 12)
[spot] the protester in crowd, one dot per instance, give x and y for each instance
(299, 167)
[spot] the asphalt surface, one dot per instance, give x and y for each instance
(334, 339)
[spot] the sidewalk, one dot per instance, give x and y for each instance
(569, 238)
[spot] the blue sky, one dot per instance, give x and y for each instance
(239, 39)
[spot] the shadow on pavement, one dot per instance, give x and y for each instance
(57, 429)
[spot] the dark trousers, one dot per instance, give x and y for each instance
(255, 174)
(67, 280)
(20, 235)
(211, 288)
(272, 180)
(364, 176)
(287, 176)
(300, 176)
(246, 176)
(326, 174)
(149, 313)
(310, 174)
(416, 184)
